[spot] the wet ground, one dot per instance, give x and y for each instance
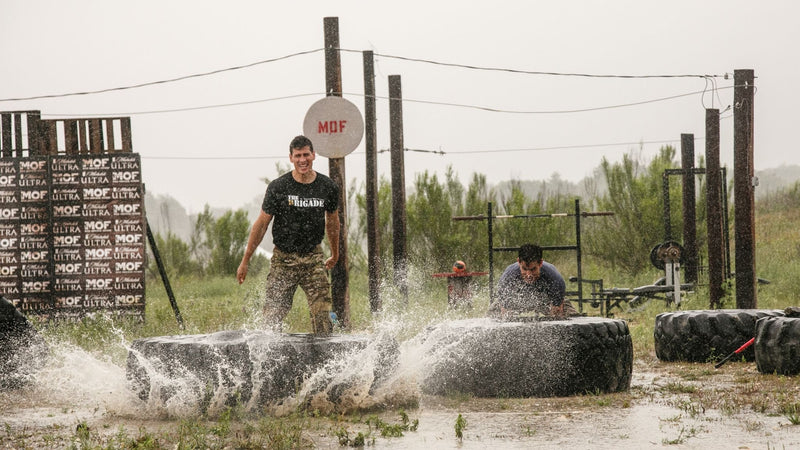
(669, 405)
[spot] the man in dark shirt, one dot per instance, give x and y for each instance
(304, 204)
(531, 284)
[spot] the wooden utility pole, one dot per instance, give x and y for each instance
(400, 260)
(371, 144)
(714, 207)
(336, 168)
(743, 183)
(689, 208)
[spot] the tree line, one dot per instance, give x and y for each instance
(633, 192)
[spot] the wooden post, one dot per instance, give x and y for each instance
(743, 181)
(371, 144)
(689, 208)
(714, 208)
(6, 142)
(400, 255)
(336, 170)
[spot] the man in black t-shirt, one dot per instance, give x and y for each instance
(305, 205)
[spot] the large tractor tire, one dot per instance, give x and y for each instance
(777, 345)
(250, 368)
(490, 358)
(706, 335)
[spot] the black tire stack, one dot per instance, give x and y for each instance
(706, 335)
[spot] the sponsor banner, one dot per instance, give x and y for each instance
(72, 234)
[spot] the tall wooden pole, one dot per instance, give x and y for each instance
(336, 169)
(689, 208)
(370, 127)
(714, 208)
(743, 181)
(400, 260)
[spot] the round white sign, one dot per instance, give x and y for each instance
(334, 125)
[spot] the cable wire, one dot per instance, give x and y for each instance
(169, 80)
(533, 72)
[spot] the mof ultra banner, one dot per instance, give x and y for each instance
(72, 234)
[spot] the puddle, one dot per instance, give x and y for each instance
(78, 387)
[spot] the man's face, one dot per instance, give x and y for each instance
(530, 270)
(302, 159)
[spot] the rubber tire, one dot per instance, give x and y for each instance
(489, 358)
(706, 335)
(250, 368)
(777, 346)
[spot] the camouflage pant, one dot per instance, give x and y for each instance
(287, 272)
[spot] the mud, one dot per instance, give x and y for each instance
(673, 405)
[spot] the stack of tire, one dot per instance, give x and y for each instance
(708, 335)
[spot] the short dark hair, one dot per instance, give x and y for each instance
(299, 142)
(530, 253)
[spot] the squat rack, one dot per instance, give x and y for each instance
(489, 217)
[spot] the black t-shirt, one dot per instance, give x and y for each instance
(298, 211)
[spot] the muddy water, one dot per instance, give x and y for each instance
(78, 387)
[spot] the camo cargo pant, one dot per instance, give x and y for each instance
(287, 272)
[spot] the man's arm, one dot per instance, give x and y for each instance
(256, 236)
(332, 229)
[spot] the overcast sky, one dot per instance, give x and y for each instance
(218, 155)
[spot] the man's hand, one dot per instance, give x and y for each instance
(557, 311)
(330, 262)
(241, 272)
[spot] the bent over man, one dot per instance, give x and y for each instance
(531, 284)
(304, 205)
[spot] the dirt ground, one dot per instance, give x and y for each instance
(678, 405)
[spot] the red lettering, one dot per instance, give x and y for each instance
(331, 126)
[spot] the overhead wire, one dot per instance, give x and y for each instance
(405, 100)
(165, 81)
(535, 72)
